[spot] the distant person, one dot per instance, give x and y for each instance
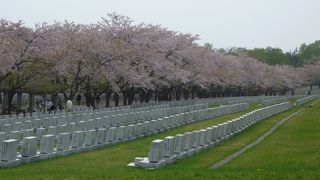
(78, 99)
(308, 92)
(48, 104)
(69, 106)
(52, 108)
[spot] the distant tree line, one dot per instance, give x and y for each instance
(305, 54)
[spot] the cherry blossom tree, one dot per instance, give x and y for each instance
(119, 56)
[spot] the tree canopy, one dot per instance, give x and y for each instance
(120, 56)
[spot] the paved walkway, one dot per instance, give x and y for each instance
(257, 141)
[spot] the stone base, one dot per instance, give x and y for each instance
(198, 149)
(14, 163)
(78, 149)
(182, 155)
(30, 159)
(206, 146)
(191, 152)
(171, 159)
(48, 156)
(145, 163)
(64, 152)
(131, 165)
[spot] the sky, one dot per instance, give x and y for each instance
(283, 24)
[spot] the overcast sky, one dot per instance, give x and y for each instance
(224, 23)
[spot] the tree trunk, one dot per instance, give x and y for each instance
(186, 94)
(124, 94)
(45, 103)
(130, 95)
(178, 92)
(19, 103)
(116, 99)
(108, 95)
(193, 92)
(292, 92)
(156, 96)
(31, 103)
(10, 97)
(5, 103)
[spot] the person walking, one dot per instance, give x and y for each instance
(78, 99)
(69, 105)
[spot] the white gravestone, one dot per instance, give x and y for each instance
(29, 146)
(47, 144)
(155, 153)
(9, 150)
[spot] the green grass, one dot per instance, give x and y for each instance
(292, 152)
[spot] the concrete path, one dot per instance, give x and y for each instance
(257, 141)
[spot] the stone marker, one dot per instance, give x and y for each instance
(90, 137)
(29, 146)
(168, 146)
(179, 143)
(9, 150)
(77, 139)
(120, 134)
(47, 144)
(64, 141)
(101, 139)
(155, 153)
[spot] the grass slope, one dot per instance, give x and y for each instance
(295, 156)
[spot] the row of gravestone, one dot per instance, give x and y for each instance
(62, 112)
(86, 115)
(219, 100)
(168, 150)
(99, 119)
(39, 131)
(251, 100)
(142, 106)
(282, 99)
(83, 115)
(121, 109)
(77, 120)
(276, 100)
(78, 141)
(305, 99)
(49, 126)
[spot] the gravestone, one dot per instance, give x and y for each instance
(47, 144)
(155, 153)
(64, 141)
(179, 143)
(77, 139)
(9, 150)
(102, 132)
(90, 137)
(29, 147)
(168, 146)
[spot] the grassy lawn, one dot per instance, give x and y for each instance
(297, 143)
